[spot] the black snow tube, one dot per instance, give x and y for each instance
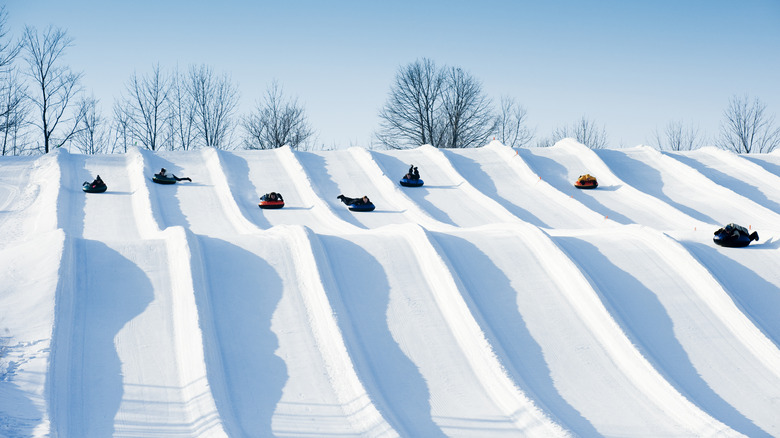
(734, 236)
(94, 188)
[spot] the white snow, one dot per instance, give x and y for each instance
(496, 300)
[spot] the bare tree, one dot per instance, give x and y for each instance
(8, 49)
(412, 115)
(56, 85)
(510, 124)
(276, 122)
(12, 91)
(146, 109)
(442, 107)
(92, 137)
(747, 128)
(215, 100)
(584, 131)
(14, 113)
(467, 111)
(121, 129)
(182, 113)
(677, 137)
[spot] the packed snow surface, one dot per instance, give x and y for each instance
(496, 300)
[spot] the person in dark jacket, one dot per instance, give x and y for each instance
(163, 175)
(273, 196)
(98, 182)
(354, 201)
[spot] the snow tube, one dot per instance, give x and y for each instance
(89, 188)
(406, 182)
(267, 203)
(362, 207)
(586, 182)
(734, 236)
(160, 179)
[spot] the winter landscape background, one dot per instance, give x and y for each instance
(496, 300)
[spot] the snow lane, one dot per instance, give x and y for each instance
(679, 185)
(615, 198)
(390, 306)
(133, 348)
(751, 278)
(736, 173)
(335, 172)
(252, 174)
(559, 343)
(114, 213)
(498, 172)
(444, 188)
(677, 316)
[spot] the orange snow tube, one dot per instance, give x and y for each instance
(586, 181)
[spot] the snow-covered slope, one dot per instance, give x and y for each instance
(496, 300)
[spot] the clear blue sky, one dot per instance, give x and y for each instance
(628, 65)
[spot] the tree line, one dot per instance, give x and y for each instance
(43, 107)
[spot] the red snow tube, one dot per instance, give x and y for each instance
(271, 200)
(271, 204)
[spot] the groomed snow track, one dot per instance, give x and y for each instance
(496, 300)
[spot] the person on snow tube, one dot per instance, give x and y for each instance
(413, 173)
(734, 235)
(95, 186)
(354, 201)
(162, 174)
(97, 182)
(273, 197)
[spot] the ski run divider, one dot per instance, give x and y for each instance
(682, 171)
(308, 194)
(489, 204)
(451, 298)
(573, 282)
(184, 269)
(526, 174)
(315, 278)
(592, 161)
(713, 295)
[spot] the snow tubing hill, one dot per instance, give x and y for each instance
(159, 179)
(362, 207)
(89, 188)
(406, 182)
